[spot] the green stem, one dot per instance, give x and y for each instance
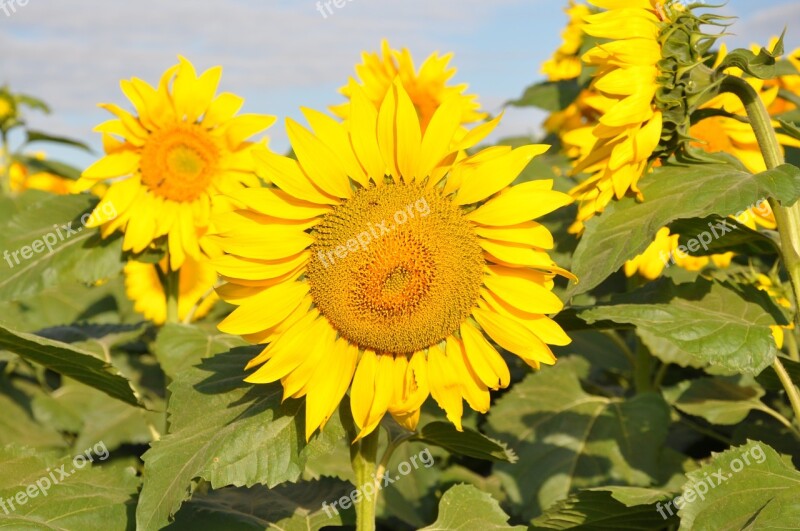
(791, 345)
(172, 281)
(787, 218)
(364, 458)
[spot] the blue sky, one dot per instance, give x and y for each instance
(281, 54)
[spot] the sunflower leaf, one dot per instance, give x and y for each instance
(69, 361)
(568, 439)
(717, 323)
(90, 496)
(226, 432)
(748, 487)
(468, 442)
(550, 96)
(718, 400)
(627, 227)
(632, 508)
(47, 244)
(179, 346)
(292, 507)
(466, 507)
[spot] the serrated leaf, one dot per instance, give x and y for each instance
(227, 432)
(69, 361)
(747, 487)
(708, 320)
(468, 442)
(600, 509)
(98, 496)
(568, 439)
(627, 227)
(179, 346)
(718, 400)
(464, 507)
(550, 96)
(76, 255)
(292, 507)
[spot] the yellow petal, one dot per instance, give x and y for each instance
(527, 233)
(114, 165)
(473, 389)
(519, 289)
(444, 385)
(519, 203)
(513, 336)
(318, 161)
(484, 359)
(288, 176)
(265, 310)
(483, 180)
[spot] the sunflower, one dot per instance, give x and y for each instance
(629, 128)
(380, 262)
(665, 251)
(764, 283)
(566, 63)
(427, 88)
(144, 286)
(184, 145)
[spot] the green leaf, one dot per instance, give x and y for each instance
(738, 238)
(227, 432)
(551, 96)
(39, 136)
(294, 507)
(464, 507)
(568, 439)
(627, 227)
(718, 400)
(17, 425)
(55, 167)
(69, 361)
(92, 497)
(76, 255)
(761, 65)
(179, 346)
(468, 442)
(32, 102)
(747, 487)
(709, 320)
(603, 509)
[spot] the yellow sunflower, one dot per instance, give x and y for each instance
(382, 260)
(184, 145)
(629, 128)
(764, 283)
(664, 252)
(565, 63)
(144, 286)
(427, 88)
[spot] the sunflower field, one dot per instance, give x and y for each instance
(403, 321)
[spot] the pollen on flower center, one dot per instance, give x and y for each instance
(396, 268)
(178, 163)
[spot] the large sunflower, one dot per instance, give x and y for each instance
(184, 145)
(427, 88)
(381, 259)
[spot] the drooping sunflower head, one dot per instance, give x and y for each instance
(427, 88)
(566, 61)
(183, 145)
(645, 88)
(381, 260)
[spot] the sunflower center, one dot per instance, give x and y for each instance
(396, 268)
(178, 163)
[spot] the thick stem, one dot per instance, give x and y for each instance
(787, 218)
(364, 458)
